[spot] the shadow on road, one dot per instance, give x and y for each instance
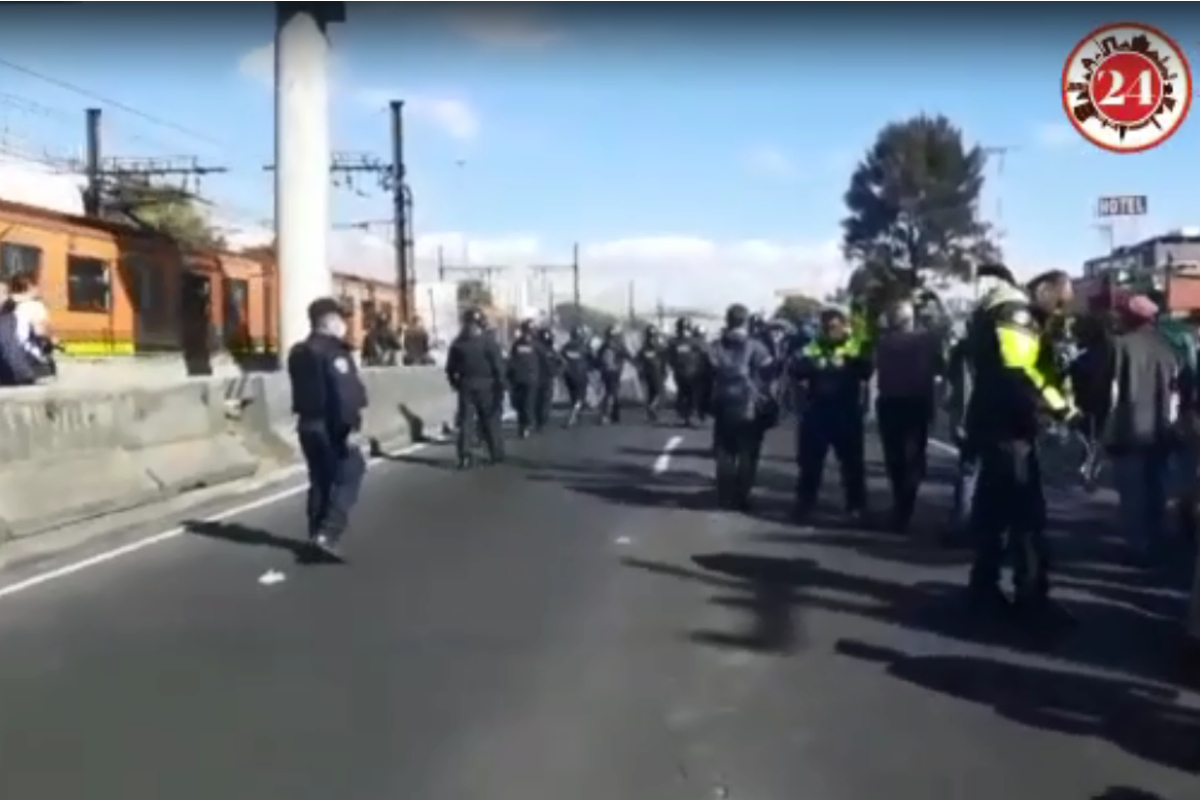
(246, 536)
(772, 589)
(1141, 719)
(1126, 793)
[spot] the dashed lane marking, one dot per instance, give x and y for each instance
(663, 462)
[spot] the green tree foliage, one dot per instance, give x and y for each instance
(914, 210)
(474, 293)
(796, 308)
(168, 210)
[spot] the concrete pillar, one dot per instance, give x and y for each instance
(302, 160)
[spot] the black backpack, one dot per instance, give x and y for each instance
(15, 366)
(736, 394)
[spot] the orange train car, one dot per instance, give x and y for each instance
(116, 290)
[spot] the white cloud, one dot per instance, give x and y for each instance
(770, 162)
(453, 116)
(1056, 134)
(503, 27)
(259, 65)
(682, 271)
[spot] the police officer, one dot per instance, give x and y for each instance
(742, 407)
(831, 373)
(549, 367)
(475, 370)
(704, 379)
(760, 330)
(328, 399)
(611, 358)
(576, 359)
(651, 362)
(686, 360)
(1011, 365)
(524, 377)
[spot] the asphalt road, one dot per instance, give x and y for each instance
(580, 624)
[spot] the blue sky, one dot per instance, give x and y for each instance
(698, 155)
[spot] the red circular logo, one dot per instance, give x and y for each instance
(1127, 87)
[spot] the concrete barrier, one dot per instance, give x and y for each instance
(70, 454)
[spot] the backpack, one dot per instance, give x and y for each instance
(15, 367)
(736, 394)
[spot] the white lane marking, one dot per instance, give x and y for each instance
(174, 533)
(945, 447)
(271, 577)
(663, 462)
(624, 540)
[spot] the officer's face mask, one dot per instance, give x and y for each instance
(335, 326)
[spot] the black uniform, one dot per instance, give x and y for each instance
(328, 399)
(576, 360)
(611, 359)
(549, 367)
(524, 378)
(742, 409)
(831, 375)
(475, 369)
(687, 361)
(1011, 388)
(651, 360)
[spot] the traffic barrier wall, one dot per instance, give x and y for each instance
(70, 454)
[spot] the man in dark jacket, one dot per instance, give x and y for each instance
(1140, 428)
(328, 399)
(742, 407)
(475, 370)
(611, 358)
(651, 360)
(524, 377)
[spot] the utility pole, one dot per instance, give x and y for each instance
(632, 303)
(542, 270)
(401, 208)
(122, 173)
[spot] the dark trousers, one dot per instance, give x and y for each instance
(524, 402)
(479, 417)
(737, 445)
(1009, 500)
(543, 403)
(610, 397)
(577, 389)
(335, 475)
(653, 388)
(685, 397)
(904, 433)
(820, 431)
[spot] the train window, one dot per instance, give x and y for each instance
(88, 287)
(20, 259)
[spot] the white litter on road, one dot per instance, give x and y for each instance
(271, 577)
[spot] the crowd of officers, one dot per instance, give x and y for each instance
(483, 376)
(1004, 381)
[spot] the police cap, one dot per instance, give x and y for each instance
(324, 306)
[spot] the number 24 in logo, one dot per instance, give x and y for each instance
(1127, 87)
